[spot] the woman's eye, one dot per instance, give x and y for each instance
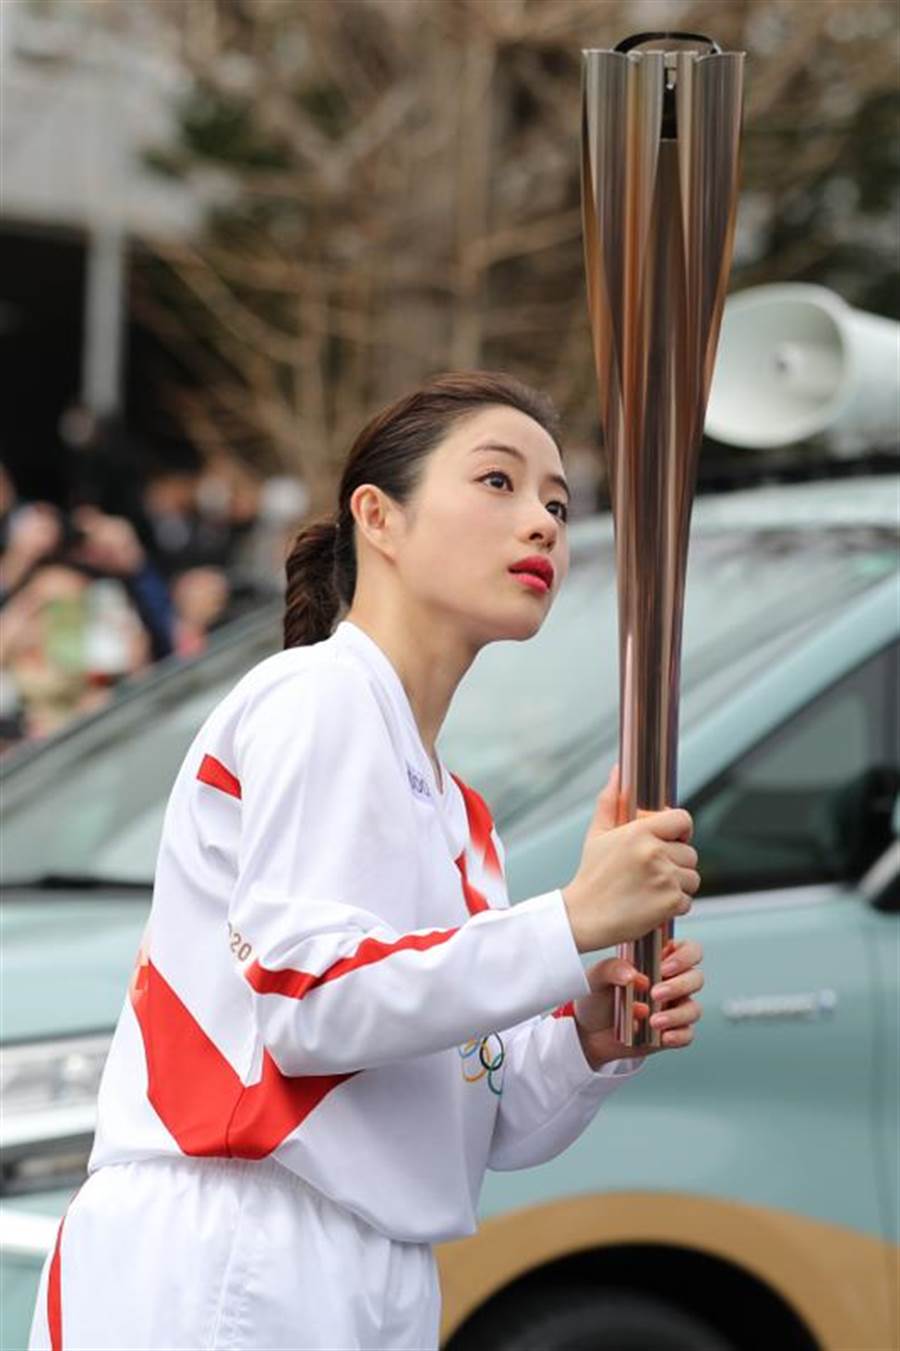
(559, 509)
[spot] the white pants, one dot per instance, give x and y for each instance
(176, 1253)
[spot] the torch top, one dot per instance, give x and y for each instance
(642, 39)
(671, 62)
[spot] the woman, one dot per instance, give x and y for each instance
(336, 1022)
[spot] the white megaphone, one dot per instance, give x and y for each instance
(795, 361)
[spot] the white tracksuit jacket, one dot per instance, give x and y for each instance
(332, 963)
(332, 977)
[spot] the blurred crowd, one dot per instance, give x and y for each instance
(145, 564)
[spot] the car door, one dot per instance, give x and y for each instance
(793, 998)
(774, 1106)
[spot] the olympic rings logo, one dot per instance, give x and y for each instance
(483, 1057)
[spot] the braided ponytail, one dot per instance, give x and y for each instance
(311, 597)
(390, 453)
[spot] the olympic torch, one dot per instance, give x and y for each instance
(660, 152)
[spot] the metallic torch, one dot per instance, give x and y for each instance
(660, 150)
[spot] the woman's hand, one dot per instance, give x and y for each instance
(632, 877)
(680, 971)
(681, 979)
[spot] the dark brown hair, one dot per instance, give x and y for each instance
(389, 453)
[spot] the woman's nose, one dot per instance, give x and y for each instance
(543, 526)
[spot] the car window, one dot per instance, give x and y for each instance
(101, 813)
(813, 802)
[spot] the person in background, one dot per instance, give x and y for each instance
(34, 533)
(82, 608)
(28, 532)
(67, 639)
(109, 546)
(200, 597)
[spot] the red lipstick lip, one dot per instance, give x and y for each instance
(538, 567)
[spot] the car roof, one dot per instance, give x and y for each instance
(843, 502)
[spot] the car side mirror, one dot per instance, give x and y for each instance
(881, 884)
(866, 818)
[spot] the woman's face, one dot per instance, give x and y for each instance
(492, 495)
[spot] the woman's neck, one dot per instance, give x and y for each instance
(428, 666)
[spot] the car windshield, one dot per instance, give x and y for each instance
(530, 716)
(526, 716)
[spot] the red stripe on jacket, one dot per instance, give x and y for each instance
(480, 826)
(213, 772)
(474, 899)
(297, 984)
(199, 1097)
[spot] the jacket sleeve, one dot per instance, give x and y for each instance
(550, 1093)
(321, 906)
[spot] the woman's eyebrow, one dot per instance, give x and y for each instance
(517, 454)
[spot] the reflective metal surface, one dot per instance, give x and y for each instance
(660, 151)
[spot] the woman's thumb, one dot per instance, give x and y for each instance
(606, 811)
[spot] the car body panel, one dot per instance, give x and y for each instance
(80, 948)
(714, 1134)
(882, 939)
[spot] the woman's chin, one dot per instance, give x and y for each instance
(517, 626)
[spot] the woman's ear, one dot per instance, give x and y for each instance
(378, 519)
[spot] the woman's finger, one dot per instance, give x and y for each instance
(681, 1015)
(616, 971)
(689, 982)
(678, 1038)
(606, 810)
(683, 855)
(689, 880)
(680, 955)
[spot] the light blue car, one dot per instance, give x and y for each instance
(740, 1195)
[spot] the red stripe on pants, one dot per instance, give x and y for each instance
(54, 1293)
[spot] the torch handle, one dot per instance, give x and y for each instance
(646, 955)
